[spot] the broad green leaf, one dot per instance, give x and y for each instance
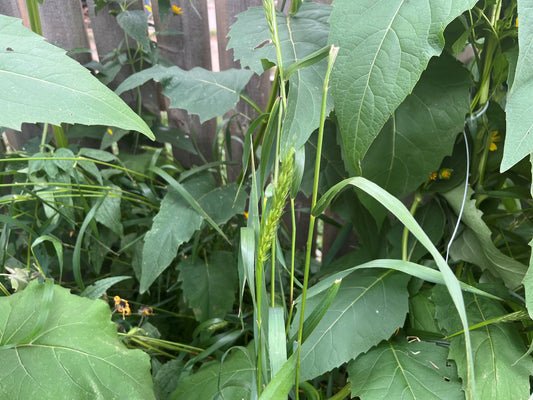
(518, 138)
(496, 347)
(300, 36)
(422, 131)
(384, 47)
(401, 370)
(135, 24)
(235, 377)
(209, 285)
(174, 224)
(177, 221)
(370, 305)
(73, 352)
(40, 83)
(199, 91)
(476, 244)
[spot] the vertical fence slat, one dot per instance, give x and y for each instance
(187, 50)
(62, 23)
(257, 89)
(107, 37)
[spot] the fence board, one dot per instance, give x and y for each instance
(187, 50)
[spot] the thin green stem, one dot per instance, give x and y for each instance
(293, 254)
(33, 15)
(43, 138)
(79, 158)
(416, 202)
(332, 55)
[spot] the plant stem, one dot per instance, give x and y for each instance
(293, 253)
(405, 236)
(332, 55)
(33, 15)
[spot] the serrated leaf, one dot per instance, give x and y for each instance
(518, 137)
(40, 83)
(300, 35)
(177, 221)
(209, 285)
(401, 370)
(422, 131)
(384, 47)
(370, 305)
(199, 91)
(72, 353)
(476, 243)
(234, 379)
(135, 24)
(496, 347)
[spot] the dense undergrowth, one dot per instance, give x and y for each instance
(417, 159)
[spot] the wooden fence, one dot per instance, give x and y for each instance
(67, 23)
(74, 24)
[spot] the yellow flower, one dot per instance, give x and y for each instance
(176, 10)
(109, 131)
(122, 306)
(445, 173)
(495, 138)
(433, 176)
(246, 214)
(148, 8)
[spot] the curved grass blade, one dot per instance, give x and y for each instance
(400, 211)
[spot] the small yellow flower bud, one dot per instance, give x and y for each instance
(176, 10)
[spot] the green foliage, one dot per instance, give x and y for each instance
(415, 280)
(39, 83)
(194, 90)
(384, 48)
(379, 298)
(48, 342)
(401, 369)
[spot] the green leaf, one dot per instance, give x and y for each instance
(209, 286)
(369, 306)
(496, 347)
(177, 221)
(300, 36)
(422, 131)
(174, 224)
(384, 47)
(109, 214)
(400, 211)
(235, 377)
(401, 370)
(39, 83)
(475, 244)
(199, 91)
(74, 354)
(277, 342)
(96, 290)
(135, 24)
(518, 138)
